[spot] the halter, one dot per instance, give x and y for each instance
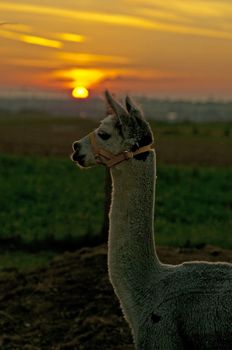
(112, 159)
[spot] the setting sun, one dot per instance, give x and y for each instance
(80, 92)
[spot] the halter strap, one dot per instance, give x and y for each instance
(110, 158)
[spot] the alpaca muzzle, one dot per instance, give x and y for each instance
(111, 159)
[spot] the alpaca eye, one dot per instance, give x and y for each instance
(104, 135)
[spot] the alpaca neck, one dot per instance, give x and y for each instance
(132, 258)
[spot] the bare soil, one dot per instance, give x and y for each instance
(71, 304)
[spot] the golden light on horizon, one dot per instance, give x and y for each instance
(81, 80)
(183, 48)
(80, 77)
(80, 92)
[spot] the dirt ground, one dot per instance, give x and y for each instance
(71, 304)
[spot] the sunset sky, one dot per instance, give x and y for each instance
(172, 48)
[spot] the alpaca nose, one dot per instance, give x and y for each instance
(76, 146)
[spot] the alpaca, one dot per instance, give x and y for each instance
(187, 306)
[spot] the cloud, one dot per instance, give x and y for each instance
(115, 19)
(86, 58)
(135, 21)
(196, 17)
(16, 27)
(195, 11)
(162, 15)
(194, 8)
(149, 74)
(136, 79)
(76, 38)
(31, 62)
(79, 77)
(199, 9)
(36, 40)
(30, 39)
(89, 77)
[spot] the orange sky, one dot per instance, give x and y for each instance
(172, 48)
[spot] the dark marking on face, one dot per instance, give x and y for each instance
(144, 141)
(142, 156)
(135, 147)
(155, 318)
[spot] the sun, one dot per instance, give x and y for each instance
(80, 92)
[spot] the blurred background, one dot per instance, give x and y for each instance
(56, 59)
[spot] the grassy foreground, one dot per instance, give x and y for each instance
(45, 198)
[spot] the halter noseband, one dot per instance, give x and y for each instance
(110, 158)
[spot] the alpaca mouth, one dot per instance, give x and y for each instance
(77, 158)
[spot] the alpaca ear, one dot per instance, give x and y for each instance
(133, 109)
(109, 110)
(129, 104)
(115, 106)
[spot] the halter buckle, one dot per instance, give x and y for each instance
(97, 158)
(128, 155)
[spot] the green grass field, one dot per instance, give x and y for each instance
(46, 201)
(45, 197)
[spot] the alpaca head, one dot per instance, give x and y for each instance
(124, 129)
